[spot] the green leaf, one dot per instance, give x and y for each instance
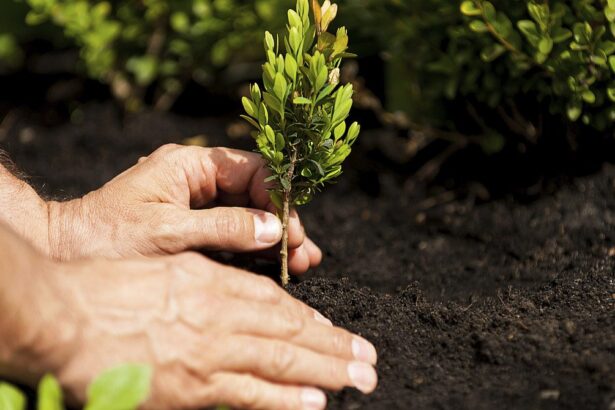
(574, 110)
(492, 143)
(280, 143)
(560, 35)
(251, 121)
(270, 134)
(290, 65)
(273, 103)
(49, 394)
(489, 11)
(353, 133)
(340, 130)
(341, 41)
(325, 92)
(478, 26)
(285, 184)
(249, 107)
(321, 79)
(144, 69)
(276, 199)
(121, 388)
(269, 42)
(589, 96)
(280, 87)
(468, 8)
(302, 101)
(545, 46)
(492, 52)
(263, 115)
(530, 31)
(294, 20)
(11, 398)
(179, 21)
(294, 39)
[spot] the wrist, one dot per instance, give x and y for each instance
(67, 229)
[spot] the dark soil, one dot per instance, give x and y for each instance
(504, 304)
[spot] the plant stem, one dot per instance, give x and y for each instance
(285, 220)
(284, 251)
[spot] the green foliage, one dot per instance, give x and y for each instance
(563, 50)
(122, 388)
(492, 53)
(133, 45)
(300, 117)
(10, 52)
(49, 394)
(11, 398)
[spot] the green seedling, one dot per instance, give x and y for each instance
(122, 388)
(300, 116)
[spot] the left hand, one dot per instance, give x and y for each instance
(156, 208)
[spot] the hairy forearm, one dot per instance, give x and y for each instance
(33, 324)
(22, 209)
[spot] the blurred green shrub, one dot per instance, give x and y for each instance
(121, 387)
(139, 45)
(560, 54)
(561, 51)
(440, 54)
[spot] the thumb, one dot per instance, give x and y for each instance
(230, 229)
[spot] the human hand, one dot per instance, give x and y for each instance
(155, 208)
(212, 334)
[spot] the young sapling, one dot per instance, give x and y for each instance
(300, 116)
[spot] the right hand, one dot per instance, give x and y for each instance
(212, 334)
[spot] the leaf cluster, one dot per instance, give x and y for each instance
(132, 45)
(123, 388)
(300, 115)
(566, 48)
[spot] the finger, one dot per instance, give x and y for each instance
(236, 283)
(248, 392)
(228, 229)
(298, 260)
(313, 251)
(283, 362)
(246, 317)
(296, 233)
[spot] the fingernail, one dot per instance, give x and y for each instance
(313, 399)
(267, 229)
(363, 376)
(363, 350)
(320, 318)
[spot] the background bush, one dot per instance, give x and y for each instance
(136, 45)
(489, 68)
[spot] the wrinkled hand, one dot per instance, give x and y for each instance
(212, 334)
(156, 208)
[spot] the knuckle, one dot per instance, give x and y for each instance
(229, 226)
(269, 290)
(249, 395)
(340, 343)
(165, 149)
(291, 324)
(283, 359)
